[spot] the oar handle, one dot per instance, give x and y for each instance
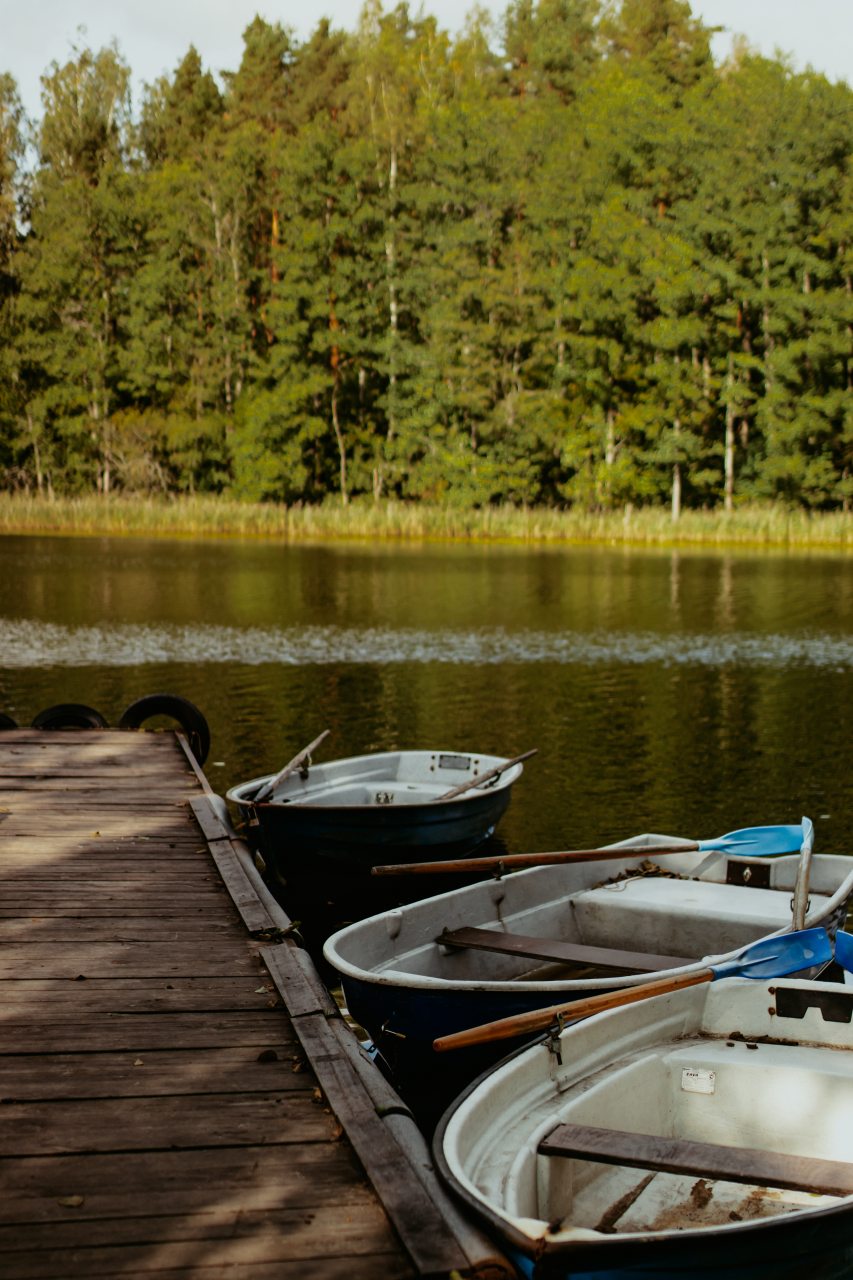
(483, 777)
(496, 863)
(538, 1019)
(268, 787)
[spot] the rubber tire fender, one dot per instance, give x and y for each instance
(6, 722)
(177, 708)
(69, 715)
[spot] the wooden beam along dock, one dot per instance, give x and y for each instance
(179, 1095)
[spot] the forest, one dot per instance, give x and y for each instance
(564, 260)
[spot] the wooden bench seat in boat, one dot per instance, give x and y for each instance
(533, 948)
(701, 1159)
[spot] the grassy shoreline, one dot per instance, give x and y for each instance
(748, 527)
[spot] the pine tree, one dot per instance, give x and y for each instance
(74, 265)
(14, 443)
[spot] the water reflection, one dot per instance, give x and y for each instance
(683, 693)
(28, 643)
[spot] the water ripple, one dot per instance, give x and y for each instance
(25, 643)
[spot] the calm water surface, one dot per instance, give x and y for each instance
(682, 693)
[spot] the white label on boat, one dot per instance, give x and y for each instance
(693, 1080)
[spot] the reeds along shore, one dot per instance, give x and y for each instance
(770, 527)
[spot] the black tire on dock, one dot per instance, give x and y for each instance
(69, 715)
(6, 722)
(185, 712)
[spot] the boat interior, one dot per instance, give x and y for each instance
(683, 1125)
(557, 924)
(390, 777)
(695, 1163)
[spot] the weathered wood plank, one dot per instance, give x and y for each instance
(700, 1159)
(555, 949)
(110, 878)
(253, 911)
(36, 929)
(92, 862)
(113, 1032)
(77, 764)
(168, 1123)
(66, 997)
(126, 890)
(153, 1073)
(95, 821)
(167, 783)
(89, 883)
(255, 915)
(180, 1262)
(126, 959)
(130, 844)
(247, 1177)
(130, 904)
(282, 1232)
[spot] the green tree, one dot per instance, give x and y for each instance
(661, 37)
(763, 220)
(551, 45)
(292, 435)
(74, 267)
(11, 156)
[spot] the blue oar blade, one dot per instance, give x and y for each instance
(774, 957)
(758, 842)
(844, 950)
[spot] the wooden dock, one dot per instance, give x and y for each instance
(179, 1096)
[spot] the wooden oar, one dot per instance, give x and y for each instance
(754, 842)
(483, 777)
(768, 958)
(267, 788)
(800, 902)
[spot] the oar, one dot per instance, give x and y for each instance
(800, 901)
(768, 958)
(267, 788)
(754, 842)
(483, 777)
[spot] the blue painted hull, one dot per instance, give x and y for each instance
(818, 1248)
(324, 830)
(363, 837)
(403, 1022)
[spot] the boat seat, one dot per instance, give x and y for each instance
(533, 948)
(702, 1159)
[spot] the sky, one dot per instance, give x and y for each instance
(154, 35)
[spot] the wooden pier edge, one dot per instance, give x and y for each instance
(437, 1237)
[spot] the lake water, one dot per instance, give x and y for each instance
(690, 694)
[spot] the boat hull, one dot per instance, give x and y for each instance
(349, 815)
(402, 1026)
(363, 837)
(818, 1250)
(776, 1072)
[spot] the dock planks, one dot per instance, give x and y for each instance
(160, 1108)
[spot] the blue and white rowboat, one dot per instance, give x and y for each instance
(699, 1134)
(505, 946)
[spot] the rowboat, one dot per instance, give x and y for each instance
(526, 940)
(701, 1133)
(330, 821)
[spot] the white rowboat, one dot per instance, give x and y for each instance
(537, 937)
(701, 1133)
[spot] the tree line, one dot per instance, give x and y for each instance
(562, 260)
